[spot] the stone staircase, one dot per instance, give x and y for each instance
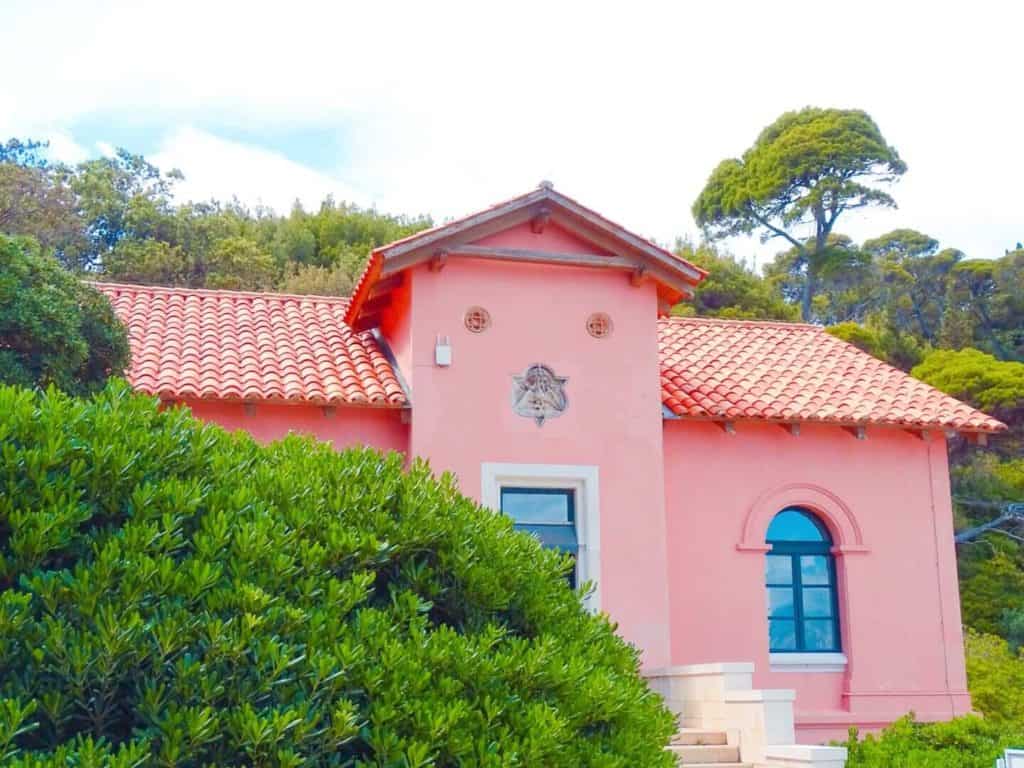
(726, 722)
(697, 748)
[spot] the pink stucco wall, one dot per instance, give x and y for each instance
(462, 415)
(346, 427)
(885, 500)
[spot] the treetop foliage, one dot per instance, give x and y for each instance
(26, 154)
(804, 170)
(174, 594)
(976, 377)
(809, 166)
(901, 244)
(115, 218)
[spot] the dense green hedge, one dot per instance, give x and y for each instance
(171, 594)
(966, 742)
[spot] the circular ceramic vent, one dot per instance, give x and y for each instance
(477, 319)
(599, 325)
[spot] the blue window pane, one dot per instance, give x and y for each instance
(546, 513)
(796, 525)
(817, 602)
(780, 602)
(814, 569)
(778, 569)
(781, 635)
(561, 537)
(820, 635)
(800, 581)
(537, 505)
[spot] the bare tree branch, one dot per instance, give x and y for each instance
(779, 232)
(1011, 513)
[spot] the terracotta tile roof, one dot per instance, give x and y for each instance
(738, 370)
(189, 343)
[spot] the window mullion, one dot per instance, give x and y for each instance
(798, 603)
(837, 640)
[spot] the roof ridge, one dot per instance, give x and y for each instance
(616, 225)
(223, 292)
(450, 222)
(547, 190)
(750, 323)
(674, 274)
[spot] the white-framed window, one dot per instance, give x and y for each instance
(567, 499)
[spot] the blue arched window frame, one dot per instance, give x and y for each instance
(800, 580)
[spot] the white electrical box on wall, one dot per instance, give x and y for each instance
(443, 351)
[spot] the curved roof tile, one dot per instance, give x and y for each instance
(764, 370)
(189, 343)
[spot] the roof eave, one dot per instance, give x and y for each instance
(178, 397)
(670, 415)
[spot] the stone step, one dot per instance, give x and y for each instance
(697, 737)
(706, 753)
(717, 765)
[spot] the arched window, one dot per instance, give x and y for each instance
(800, 575)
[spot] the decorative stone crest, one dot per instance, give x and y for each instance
(539, 394)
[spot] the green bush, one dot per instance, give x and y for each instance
(171, 594)
(991, 586)
(966, 742)
(54, 329)
(996, 675)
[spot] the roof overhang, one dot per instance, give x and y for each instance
(614, 248)
(976, 435)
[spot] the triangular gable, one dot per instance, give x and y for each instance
(469, 237)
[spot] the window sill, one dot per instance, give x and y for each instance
(807, 662)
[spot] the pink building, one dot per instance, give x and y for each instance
(738, 493)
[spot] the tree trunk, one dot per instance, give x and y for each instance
(921, 324)
(814, 260)
(986, 323)
(807, 295)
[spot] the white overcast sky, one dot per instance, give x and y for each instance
(444, 108)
